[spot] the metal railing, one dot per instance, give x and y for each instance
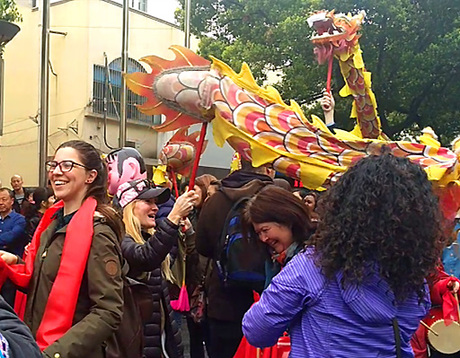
(113, 93)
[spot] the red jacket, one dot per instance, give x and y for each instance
(439, 290)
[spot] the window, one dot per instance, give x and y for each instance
(139, 5)
(113, 92)
(142, 5)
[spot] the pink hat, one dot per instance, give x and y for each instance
(141, 189)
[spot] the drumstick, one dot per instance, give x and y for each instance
(258, 350)
(458, 308)
(429, 328)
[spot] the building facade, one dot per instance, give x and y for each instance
(85, 49)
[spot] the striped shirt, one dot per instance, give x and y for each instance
(326, 320)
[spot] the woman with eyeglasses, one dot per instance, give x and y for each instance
(72, 273)
(145, 248)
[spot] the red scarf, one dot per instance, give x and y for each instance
(440, 291)
(62, 301)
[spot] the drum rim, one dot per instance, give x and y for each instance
(431, 336)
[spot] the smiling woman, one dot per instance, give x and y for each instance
(279, 229)
(277, 236)
(74, 301)
(69, 178)
(146, 248)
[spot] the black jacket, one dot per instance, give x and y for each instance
(225, 304)
(18, 206)
(32, 224)
(145, 264)
(21, 344)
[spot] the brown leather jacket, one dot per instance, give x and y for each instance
(100, 302)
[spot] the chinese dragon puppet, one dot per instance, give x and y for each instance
(260, 126)
(177, 157)
(179, 152)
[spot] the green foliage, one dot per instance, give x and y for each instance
(9, 11)
(410, 46)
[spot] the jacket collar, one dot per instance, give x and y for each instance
(62, 220)
(241, 177)
(10, 214)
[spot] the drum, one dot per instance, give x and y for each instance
(447, 340)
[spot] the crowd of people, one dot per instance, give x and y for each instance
(346, 272)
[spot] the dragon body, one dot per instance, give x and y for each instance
(258, 124)
(338, 35)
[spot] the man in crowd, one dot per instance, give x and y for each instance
(12, 235)
(19, 193)
(226, 307)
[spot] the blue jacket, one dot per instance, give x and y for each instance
(12, 233)
(165, 209)
(451, 255)
(326, 320)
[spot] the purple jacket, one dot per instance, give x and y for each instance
(326, 320)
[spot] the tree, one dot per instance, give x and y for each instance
(9, 11)
(410, 46)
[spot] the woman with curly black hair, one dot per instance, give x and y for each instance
(359, 290)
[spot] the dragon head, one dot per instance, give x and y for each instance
(334, 33)
(172, 88)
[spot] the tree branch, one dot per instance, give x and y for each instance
(381, 54)
(384, 121)
(410, 119)
(412, 113)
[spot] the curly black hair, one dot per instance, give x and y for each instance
(382, 215)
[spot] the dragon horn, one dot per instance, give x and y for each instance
(180, 135)
(184, 57)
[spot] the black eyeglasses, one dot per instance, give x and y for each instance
(65, 166)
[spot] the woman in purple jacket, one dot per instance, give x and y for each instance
(359, 289)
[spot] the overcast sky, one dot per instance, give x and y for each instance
(164, 9)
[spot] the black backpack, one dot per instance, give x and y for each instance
(241, 260)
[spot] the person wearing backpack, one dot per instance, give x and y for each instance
(226, 305)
